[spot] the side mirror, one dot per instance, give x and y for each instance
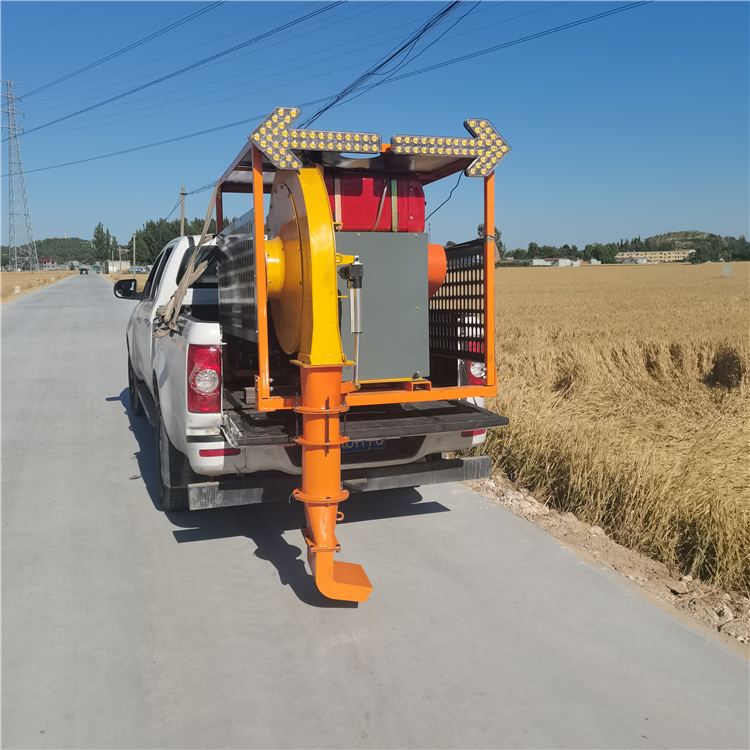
(126, 289)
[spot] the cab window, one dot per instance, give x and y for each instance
(152, 283)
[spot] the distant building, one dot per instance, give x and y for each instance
(654, 256)
(560, 262)
(46, 264)
(595, 262)
(539, 262)
(631, 260)
(116, 266)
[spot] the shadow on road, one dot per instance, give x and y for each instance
(264, 524)
(146, 456)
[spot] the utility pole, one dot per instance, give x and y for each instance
(21, 246)
(182, 212)
(133, 254)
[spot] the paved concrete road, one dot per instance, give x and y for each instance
(126, 627)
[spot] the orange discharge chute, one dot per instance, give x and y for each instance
(304, 305)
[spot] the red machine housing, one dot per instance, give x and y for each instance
(357, 199)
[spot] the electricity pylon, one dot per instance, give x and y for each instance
(22, 248)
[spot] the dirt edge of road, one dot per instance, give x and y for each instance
(724, 615)
(27, 282)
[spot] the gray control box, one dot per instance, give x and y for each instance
(394, 342)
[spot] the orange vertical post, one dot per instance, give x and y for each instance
(489, 279)
(262, 387)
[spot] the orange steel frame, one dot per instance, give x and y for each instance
(264, 401)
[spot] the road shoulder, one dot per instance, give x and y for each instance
(722, 615)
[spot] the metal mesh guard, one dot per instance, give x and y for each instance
(238, 300)
(457, 309)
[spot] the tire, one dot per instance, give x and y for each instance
(174, 471)
(136, 407)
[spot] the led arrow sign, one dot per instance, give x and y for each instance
(488, 147)
(276, 138)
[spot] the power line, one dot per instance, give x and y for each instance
(528, 38)
(450, 195)
(149, 145)
(191, 107)
(277, 72)
(272, 45)
(130, 47)
(202, 189)
(403, 76)
(406, 46)
(498, 47)
(281, 72)
(111, 43)
(179, 200)
(218, 55)
(252, 119)
(191, 192)
(349, 42)
(34, 36)
(424, 49)
(407, 59)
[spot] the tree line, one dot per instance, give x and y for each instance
(714, 248)
(153, 235)
(704, 247)
(63, 250)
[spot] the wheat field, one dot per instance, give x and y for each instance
(627, 393)
(29, 281)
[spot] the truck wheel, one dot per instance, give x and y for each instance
(135, 403)
(174, 471)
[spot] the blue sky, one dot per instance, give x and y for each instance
(631, 125)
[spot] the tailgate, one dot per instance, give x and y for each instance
(390, 421)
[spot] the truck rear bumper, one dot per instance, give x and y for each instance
(271, 486)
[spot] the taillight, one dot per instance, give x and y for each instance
(477, 373)
(473, 433)
(210, 452)
(204, 378)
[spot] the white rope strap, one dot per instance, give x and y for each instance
(165, 320)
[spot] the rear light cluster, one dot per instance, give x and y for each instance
(473, 433)
(204, 378)
(212, 452)
(477, 373)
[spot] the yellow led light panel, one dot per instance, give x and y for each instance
(276, 138)
(488, 146)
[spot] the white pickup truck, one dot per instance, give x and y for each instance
(196, 386)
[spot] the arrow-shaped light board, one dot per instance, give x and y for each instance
(488, 147)
(276, 138)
